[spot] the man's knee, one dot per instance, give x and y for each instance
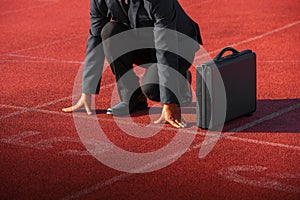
(112, 28)
(151, 91)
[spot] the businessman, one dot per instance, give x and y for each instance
(112, 17)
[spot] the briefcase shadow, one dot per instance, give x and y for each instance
(271, 116)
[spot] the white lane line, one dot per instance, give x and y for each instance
(226, 135)
(196, 58)
(253, 141)
(98, 186)
(41, 61)
(274, 144)
(253, 38)
(242, 42)
(267, 33)
(45, 59)
(38, 59)
(193, 5)
(125, 175)
(59, 41)
(26, 56)
(214, 137)
(25, 109)
(263, 119)
(117, 178)
(199, 56)
(26, 9)
(233, 173)
(35, 108)
(279, 61)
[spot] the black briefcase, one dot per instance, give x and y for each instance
(225, 88)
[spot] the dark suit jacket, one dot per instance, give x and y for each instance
(141, 13)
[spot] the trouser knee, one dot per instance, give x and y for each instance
(112, 28)
(151, 91)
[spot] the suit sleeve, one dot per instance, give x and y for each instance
(94, 59)
(166, 42)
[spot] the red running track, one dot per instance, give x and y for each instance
(42, 157)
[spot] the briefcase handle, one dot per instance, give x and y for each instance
(219, 56)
